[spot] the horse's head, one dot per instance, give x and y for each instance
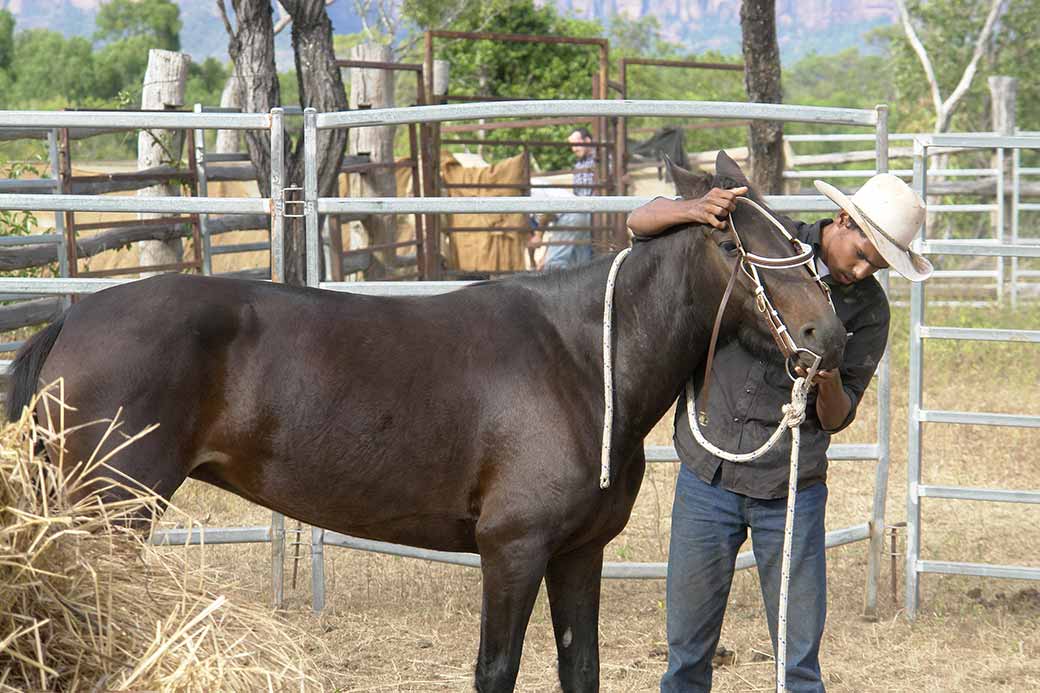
(788, 296)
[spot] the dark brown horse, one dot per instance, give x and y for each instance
(468, 421)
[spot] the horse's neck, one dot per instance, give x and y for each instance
(663, 309)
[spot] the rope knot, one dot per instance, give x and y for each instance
(794, 412)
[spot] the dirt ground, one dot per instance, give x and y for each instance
(395, 624)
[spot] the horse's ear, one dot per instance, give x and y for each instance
(688, 184)
(727, 168)
(729, 174)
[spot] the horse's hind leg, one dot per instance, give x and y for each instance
(512, 575)
(573, 583)
(148, 465)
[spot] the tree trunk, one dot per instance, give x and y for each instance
(1003, 92)
(164, 82)
(251, 47)
(230, 141)
(374, 89)
(762, 83)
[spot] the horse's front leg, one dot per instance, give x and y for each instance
(512, 573)
(573, 583)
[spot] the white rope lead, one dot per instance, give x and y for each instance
(794, 415)
(608, 371)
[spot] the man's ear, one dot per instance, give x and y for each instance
(688, 184)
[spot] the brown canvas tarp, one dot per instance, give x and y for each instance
(485, 251)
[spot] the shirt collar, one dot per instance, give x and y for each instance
(810, 234)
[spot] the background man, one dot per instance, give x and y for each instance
(575, 245)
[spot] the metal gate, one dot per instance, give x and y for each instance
(918, 415)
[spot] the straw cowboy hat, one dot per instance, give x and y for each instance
(890, 214)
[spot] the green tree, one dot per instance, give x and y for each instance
(50, 70)
(206, 82)
(524, 70)
(6, 39)
(157, 20)
(125, 32)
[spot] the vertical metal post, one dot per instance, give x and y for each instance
(313, 245)
(59, 217)
(1016, 181)
(310, 195)
(277, 196)
(278, 559)
(65, 173)
(913, 465)
(202, 190)
(317, 568)
(1000, 222)
(877, 520)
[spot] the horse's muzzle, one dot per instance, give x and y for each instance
(824, 337)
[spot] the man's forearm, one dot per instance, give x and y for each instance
(655, 216)
(832, 404)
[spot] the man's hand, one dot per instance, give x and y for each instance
(831, 376)
(714, 206)
(832, 402)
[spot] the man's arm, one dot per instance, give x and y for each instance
(840, 390)
(833, 404)
(662, 213)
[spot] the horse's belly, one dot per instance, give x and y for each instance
(392, 510)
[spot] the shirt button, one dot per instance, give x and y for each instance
(736, 419)
(748, 390)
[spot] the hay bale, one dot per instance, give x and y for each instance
(87, 604)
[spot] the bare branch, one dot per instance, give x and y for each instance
(385, 20)
(995, 10)
(285, 19)
(223, 15)
(922, 55)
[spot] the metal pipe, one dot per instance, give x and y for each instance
(598, 108)
(913, 466)
(310, 196)
(277, 195)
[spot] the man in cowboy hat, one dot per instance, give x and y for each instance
(716, 501)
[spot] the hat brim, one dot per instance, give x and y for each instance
(911, 265)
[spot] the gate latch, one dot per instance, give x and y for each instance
(299, 204)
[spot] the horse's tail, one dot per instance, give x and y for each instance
(26, 367)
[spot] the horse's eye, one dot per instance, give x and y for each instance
(728, 246)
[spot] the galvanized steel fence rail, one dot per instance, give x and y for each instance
(872, 529)
(919, 415)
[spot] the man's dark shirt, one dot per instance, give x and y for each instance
(747, 393)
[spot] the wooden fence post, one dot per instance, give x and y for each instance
(374, 88)
(164, 82)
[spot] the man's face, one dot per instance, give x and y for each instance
(579, 145)
(850, 256)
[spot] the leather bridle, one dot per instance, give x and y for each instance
(750, 263)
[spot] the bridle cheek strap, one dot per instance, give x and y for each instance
(705, 389)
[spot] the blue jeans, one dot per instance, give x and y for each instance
(709, 525)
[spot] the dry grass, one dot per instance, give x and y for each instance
(87, 604)
(394, 624)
